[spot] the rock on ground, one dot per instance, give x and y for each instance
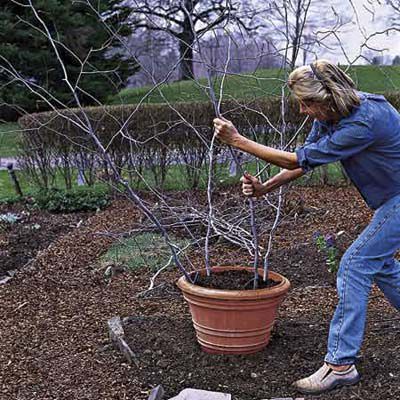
(195, 394)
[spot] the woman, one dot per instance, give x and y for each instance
(362, 131)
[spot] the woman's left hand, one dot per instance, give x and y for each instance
(226, 132)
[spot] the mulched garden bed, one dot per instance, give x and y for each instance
(166, 347)
(34, 231)
(55, 342)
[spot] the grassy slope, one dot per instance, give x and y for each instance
(175, 180)
(265, 82)
(6, 187)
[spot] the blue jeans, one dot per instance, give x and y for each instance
(369, 259)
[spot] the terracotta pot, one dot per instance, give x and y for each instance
(234, 321)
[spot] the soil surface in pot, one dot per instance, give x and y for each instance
(233, 280)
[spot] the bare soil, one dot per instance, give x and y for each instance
(53, 327)
(34, 231)
(233, 280)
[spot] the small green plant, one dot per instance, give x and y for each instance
(145, 250)
(77, 199)
(327, 245)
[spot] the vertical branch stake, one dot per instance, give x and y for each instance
(217, 104)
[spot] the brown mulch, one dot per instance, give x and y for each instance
(54, 318)
(54, 342)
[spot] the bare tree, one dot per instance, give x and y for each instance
(157, 53)
(298, 26)
(394, 4)
(248, 53)
(185, 20)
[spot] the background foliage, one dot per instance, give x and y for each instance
(82, 42)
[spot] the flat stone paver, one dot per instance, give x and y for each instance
(285, 398)
(195, 394)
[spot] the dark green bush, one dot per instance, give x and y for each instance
(144, 122)
(11, 199)
(77, 199)
(157, 125)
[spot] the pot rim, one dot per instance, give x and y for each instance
(274, 291)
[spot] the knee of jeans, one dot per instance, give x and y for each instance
(346, 261)
(343, 268)
(351, 265)
(354, 273)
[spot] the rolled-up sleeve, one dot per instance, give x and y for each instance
(346, 141)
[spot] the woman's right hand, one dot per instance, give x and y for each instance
(226, 132)
(251, 186)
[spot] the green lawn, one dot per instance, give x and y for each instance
(175, 179)
(144, 250)
(6, 188)
(9, 133)
(266, 82)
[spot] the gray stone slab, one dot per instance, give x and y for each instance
(285, 398)
(157, 393)
(195, 394)
(5, 279)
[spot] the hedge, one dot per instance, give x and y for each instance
(149, 137)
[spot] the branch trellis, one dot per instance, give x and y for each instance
(118, 152)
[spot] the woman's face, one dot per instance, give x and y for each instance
(315, 110)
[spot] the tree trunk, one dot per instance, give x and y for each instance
(186, 41)
(296, 41)
(186, 56)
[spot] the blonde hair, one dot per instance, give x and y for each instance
(324, 82)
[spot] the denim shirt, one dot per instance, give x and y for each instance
(367, 143)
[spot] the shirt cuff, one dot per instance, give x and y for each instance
(302, 159)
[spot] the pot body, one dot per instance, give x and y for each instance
(234, 321)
